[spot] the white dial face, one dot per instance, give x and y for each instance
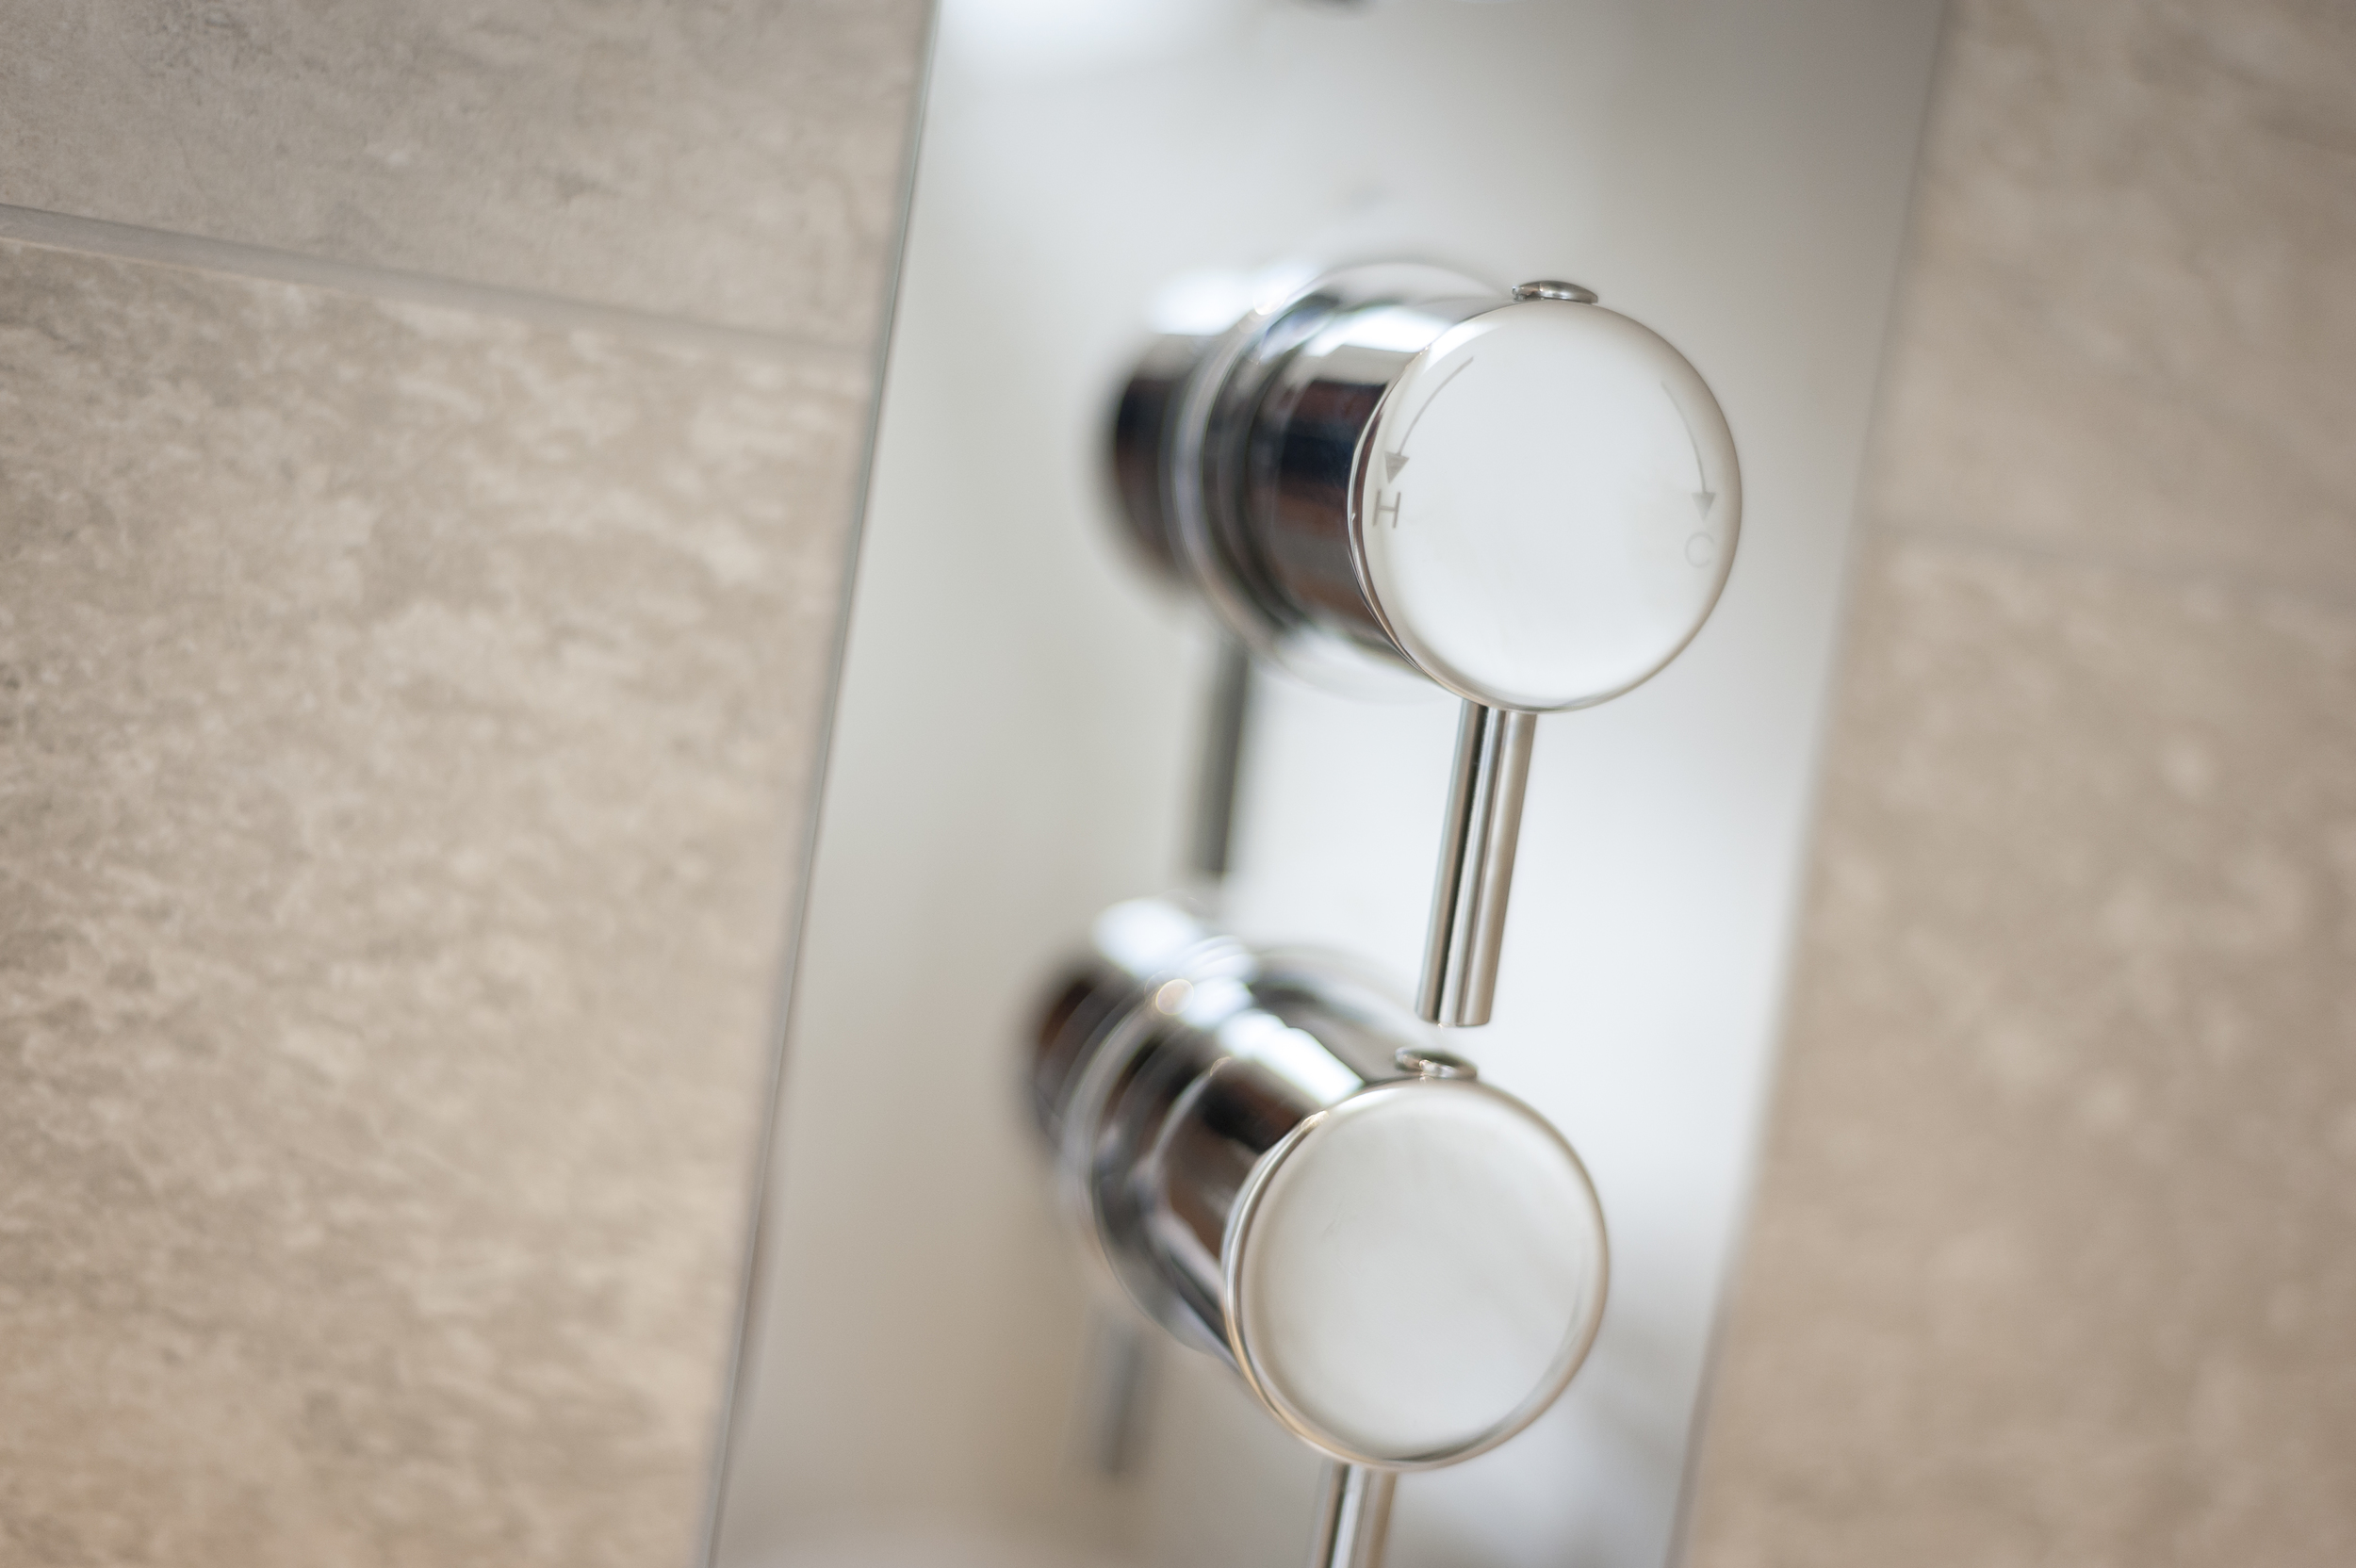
(1546, 507)
(1419, 1276)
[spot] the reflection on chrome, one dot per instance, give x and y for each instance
(1273, 1159)
(1528, 499)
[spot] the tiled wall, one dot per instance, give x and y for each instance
(428, 447)
(2055, 1256)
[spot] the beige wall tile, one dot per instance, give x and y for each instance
(2056, 1253)
(2127, 331)
(2054, 1257)
(719, 159)
(409, 725)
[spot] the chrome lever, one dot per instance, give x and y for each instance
(1478, 838)
(1353, 1516)
(1528, 499)
(1228, 715)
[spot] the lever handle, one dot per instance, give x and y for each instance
(1476, 875)
(1226, 716)
(1353, 1516)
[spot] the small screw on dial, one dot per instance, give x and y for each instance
(1425, 1062)
(1549, 288)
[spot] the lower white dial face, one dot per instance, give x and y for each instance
(1420, 1276)
(1546, 507)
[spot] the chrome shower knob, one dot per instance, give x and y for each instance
(1529, 499)
(1405, 1265)
(1542, 510)
(1415, 1274)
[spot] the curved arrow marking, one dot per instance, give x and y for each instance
(1395, 458)
(1705, 498)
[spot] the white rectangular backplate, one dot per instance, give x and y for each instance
(1020, 710)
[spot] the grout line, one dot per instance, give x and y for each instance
(58, 231)
(2188, 574)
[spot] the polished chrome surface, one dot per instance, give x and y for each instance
(1230, 458)
(1529, 499)
(1140, 420)
(1544, 509)
(1113, 1389)
(1275, 1161)
(1469, 892)
(1432, 1064)
(1219, 771)
(1353, 1517)
(1413, 1276)
(1170, 1060)
(1550, 289)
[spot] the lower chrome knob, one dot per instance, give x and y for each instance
(1405, 1265)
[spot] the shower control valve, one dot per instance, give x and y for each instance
(1276, 1162)
(1528, 498)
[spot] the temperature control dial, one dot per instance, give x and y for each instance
(1542, 510)
(1273, 1161)
(1527, 496)
(1529, 499)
